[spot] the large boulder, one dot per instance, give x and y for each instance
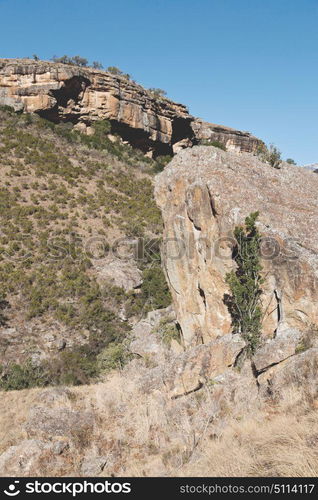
(203, 194)
(24, 458)
(296, 375)
(199, 365)
(277, 349)
(60, 421)
(146, 341)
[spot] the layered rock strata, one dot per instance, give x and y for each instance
(65, 93)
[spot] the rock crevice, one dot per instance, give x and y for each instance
(199, 236)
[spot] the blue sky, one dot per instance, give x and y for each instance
(249, 64)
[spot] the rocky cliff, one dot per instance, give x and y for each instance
(203, 194)
(174, 407)
(64, 93)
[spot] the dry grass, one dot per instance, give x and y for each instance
(148, 434)
(284, 445)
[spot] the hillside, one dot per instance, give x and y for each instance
(70, 206)
(123, 349)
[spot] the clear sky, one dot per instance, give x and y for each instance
(248, 64)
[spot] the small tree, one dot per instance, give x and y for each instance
(74, 61)
(270, 154)
(291, 161)
(79, 61)
(63, 59)
(97, 65)
(35, 57)
(274, 156)
(245, 282)
(158, 92)
(116, 71)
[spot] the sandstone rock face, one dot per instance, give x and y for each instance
(64, 93)
(203, 194)
(278, 349)
(145, 341)
(234, 140)
(197, 366)
(298, 372)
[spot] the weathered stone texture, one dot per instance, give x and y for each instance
(203, 194)
(64, 93)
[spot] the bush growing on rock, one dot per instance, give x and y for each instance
(74, 61)
(97, 65)
(246, 284)
(114, 356)
(158, 92)
(216, 144)
(118, 72)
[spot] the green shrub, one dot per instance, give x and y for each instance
(74, 61)
(270, 155)
(97, 65)
(216, 144)
(168, 331)
(157, 92)
(72, 368)
(118, 72)
(114, 356)
(154, 288)
(245, 284)
(161, 162)
(24, 376)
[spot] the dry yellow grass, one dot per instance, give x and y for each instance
(151, 435)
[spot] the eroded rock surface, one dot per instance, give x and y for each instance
(203, 194)
(64, 93)
(233, 140)
(190, 370)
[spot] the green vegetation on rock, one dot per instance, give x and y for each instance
(245, 283)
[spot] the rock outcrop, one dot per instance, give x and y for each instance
(312, 166)
(200, 365)
(233, 140)
(203, 194)
(64, 93)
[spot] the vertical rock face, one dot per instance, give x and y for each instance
(203, 194)
(64, 93)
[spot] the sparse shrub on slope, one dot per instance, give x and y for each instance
(157, 93)
(54, 191)
(25, 376)
(118, 72)
(270, 155)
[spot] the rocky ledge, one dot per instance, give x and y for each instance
(65, 93)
